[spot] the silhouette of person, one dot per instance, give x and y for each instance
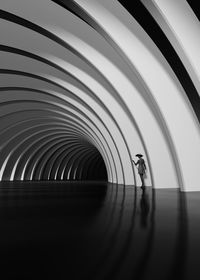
(141, 168)
(144, 205)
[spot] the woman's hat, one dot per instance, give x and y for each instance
(139, 155)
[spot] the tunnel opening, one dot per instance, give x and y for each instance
(96, 171)
(82, 165)
(78, 161)
(68, 159)
(41, 153)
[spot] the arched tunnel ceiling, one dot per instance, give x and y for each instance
(85, 85)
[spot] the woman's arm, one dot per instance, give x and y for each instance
(135, 162)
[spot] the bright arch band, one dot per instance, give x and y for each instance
(84, 86)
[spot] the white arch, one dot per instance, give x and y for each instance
(125, 80)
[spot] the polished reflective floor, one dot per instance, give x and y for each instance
(98, 231)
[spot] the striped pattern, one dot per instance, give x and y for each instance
(85, 86)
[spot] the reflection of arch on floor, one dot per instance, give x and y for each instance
(130, 198)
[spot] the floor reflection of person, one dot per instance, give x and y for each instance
(141, 168)
(144, 206)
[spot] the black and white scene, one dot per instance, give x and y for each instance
(99, 139)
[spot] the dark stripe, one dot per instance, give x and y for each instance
(144, 18)
(194, 4)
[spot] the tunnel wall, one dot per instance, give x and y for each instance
(83, 84)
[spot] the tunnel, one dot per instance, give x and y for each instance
(85, 87)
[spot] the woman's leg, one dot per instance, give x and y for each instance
(142, 179)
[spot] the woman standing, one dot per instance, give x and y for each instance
(141, 168)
